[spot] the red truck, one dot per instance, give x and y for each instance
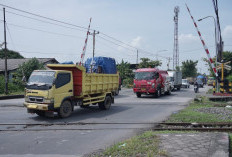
(151, 81)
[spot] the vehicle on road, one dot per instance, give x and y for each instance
(202, 78)
(196, 87)
(176, 79)
(190, 80)
(200, 82)
(210, 81)
(185, 83)
(151, 81)
(68, 85)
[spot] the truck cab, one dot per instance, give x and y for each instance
(151, 81)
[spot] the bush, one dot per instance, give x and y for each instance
(128, 82)
(11, 86)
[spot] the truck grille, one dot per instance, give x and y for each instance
(36, 99)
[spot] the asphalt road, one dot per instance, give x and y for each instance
(56, 140)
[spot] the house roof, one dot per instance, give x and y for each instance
(13, 64)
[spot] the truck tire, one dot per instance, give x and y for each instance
(105, 105)
(138, 95)
(158, 93)
(40, 113)
(65, 109)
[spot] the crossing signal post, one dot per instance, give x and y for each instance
(222, 66)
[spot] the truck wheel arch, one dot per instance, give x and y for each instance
(69, 99)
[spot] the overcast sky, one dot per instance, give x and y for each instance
(145, 24)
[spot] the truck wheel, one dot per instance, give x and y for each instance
(158, 93)
(65, 109)
(105, 105)
(40, 113)
(138, 95)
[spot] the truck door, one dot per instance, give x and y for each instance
(63, 88)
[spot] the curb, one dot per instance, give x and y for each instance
(11, 97)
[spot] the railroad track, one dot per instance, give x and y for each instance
(222, 126)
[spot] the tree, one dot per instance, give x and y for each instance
(10, 54)
(227, 56)
(146, 63)
(126, 73)
(27, 68)
(189, 68)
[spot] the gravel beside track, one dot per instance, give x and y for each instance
(223, 113)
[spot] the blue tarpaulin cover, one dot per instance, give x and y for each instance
(107, 65)
(68, 62)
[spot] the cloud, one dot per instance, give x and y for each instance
(187, 38)
(227, 32)
(136, 42)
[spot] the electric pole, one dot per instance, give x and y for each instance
(5, 51)
(176, 45)
(93, 34)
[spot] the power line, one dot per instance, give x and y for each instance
(45, 21)
(44, 17)
(35, 29)
(10, 36)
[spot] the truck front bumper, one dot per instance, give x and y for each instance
(36, 106)
(144, 90)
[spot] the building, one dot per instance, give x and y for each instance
(13, 64)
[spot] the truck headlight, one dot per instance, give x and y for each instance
(48, 101)
(153, 85)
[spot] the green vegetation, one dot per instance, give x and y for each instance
(146, 144)
(12, 88)
(126, 73)
(10, 54)
(146, 63)
(27, 68)
(189, 68)
(190, 114)
(16, 85)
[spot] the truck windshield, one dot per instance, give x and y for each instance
(144, 75)
(41, 78)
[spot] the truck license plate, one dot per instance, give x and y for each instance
(143, 88)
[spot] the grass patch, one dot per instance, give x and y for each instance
(146, 144)
(190, 115)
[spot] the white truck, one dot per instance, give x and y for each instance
(175, 79)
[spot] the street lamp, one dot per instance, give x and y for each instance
(215, 33)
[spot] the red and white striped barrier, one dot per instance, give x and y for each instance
(85, 45)
(205, 47)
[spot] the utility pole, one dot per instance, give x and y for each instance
(137, 60)
(176, 45)
(93, 34)
(5, 49)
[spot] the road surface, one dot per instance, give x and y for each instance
(80, 139)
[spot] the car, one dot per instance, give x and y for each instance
(185, 83)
